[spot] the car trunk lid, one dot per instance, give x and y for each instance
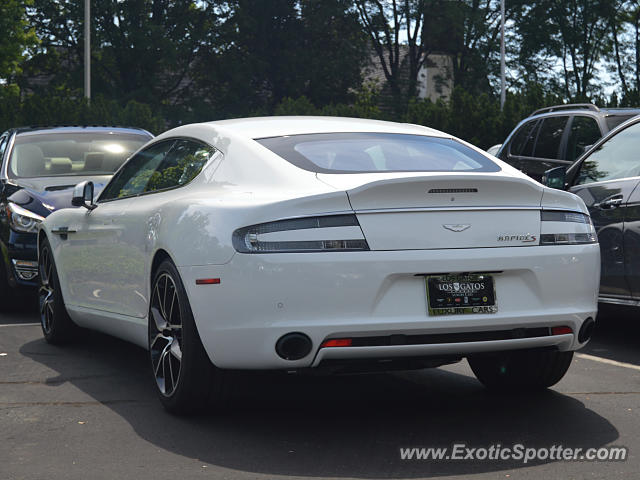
(434, 211)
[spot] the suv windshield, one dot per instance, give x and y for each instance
(78, 153)
(377, 152)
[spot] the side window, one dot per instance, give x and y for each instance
(522, 143)
(616, 158)
(133, 177)
(180, 166)
(584, 133)
(550, 136)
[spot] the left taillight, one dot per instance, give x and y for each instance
(329, 233)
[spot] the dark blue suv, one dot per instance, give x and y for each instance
(38, 168)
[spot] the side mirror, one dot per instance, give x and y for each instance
(555, 178)
(83, 195)
(495, 149)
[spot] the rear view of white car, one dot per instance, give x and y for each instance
(298, 243)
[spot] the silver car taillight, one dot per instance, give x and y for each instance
(331, 233)
(566, 228)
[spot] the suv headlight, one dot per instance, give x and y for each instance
(566, 228)
(22, 220)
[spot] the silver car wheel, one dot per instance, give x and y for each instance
(165, 334)
(46, 291)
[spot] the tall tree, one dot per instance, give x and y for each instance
(141, 49)
(283, 48)
(335, 50)
(404, 33)
(469, 31)
(396, 31)
(16, 38)
(625, 61)
(573, 33)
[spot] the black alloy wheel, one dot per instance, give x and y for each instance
(186, 380)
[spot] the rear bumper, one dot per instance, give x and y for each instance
(561, 342)
(360, 294)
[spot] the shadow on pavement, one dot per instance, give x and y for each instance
(22, 308)
(617, 334)
(342, 426)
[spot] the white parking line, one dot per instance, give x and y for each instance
(607, 361)
(19, 324)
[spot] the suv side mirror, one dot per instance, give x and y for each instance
(83, 195)
(555, 178)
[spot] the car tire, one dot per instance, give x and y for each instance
(521, 369)
(186, 380)
(57, 326)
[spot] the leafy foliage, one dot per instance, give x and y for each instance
(158, 63)
(575, 34)
(63, 110)
(475, 118)
(401, 60)
(282, 48)
(16, 39)
(142, 50)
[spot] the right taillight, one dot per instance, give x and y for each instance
(561, 227)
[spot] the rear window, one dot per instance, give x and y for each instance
(377, 152)
(614, 120)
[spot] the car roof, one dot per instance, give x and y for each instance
(35, 130)
(620, 111)
(583, 109)
(264, 127)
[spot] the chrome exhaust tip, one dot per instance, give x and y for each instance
(293, 346)
(586, 330)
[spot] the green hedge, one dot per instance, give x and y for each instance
(19, 110)
(475, 118)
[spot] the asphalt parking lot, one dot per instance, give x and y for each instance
(89, 411)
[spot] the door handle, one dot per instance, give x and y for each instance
(611, 202)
